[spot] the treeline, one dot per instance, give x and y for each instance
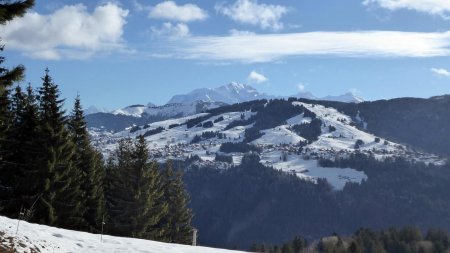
(51, 173)
(254, 203)
(393, 240)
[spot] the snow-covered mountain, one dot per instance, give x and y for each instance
(169, 110)
(306, 94)
(348, 97)
(284, 134)
(230, 94)
(196, 101)
(40, 238)
(236, 93)
(93, 109)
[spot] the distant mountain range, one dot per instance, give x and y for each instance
(237, 93)
(230, 94)
(196, 101)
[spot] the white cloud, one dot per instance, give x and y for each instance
(250, 12)
(256, 77)
(301, 87)
(171, 31)
(169, 10)
(138, 6)
(274, 47)
(440, 72)
(69, 32)
(235, 32)
(434, 7)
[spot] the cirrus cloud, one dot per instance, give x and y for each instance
(274, 47)
(69, 32)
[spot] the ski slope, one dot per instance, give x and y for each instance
(40, 238)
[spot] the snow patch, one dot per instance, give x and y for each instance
(42, 238)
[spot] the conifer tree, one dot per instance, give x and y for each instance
(5, 126)
(8, 11)
(23, 150)
(61, 193)
(149, 209)
(134, 192)
(90, 164)
(118, 193)
(177, 223)
(159, 207)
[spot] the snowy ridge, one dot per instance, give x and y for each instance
(231, 93)
(132, 110)
(345, 135)
(168, 110)
(93, 109)
(349, 97)
(40, 238)
(281, 147)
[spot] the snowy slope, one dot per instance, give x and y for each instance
(39, 238)
(93, 109)
(168, 110)
(132, 110)
(348, 97)
(281, 146)
(231, 93)
(345, 136)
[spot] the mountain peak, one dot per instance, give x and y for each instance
(237, 86)
(349, 97)
(230, 94)
(93, 109)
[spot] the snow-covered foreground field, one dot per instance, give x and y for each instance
(39, 238)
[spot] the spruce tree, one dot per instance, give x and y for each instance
(90, 163)
(8, 77)
(118, 189)
(150, 209)
(160, 207)
(23, 151)
(9, 11)
(134, 192)
(61, 193)
(5, 127)
(177, 223)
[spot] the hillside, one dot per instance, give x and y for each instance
(289, 135)
(196, 101)
(38, 238)
(317, 168)
(420, 123)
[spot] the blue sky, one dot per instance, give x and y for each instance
(116, 53)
